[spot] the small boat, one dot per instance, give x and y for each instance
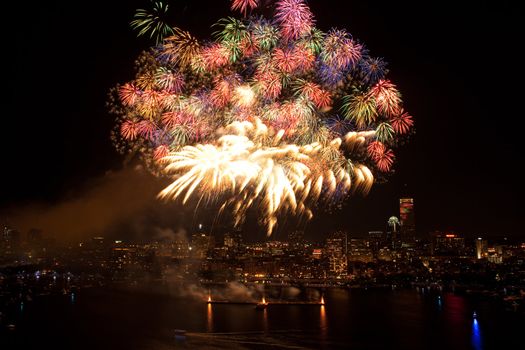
(261, 306)
(474, 314)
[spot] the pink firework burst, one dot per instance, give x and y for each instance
(129, 130)
(170, 82)
(172, 119)
(129, 94)
(294, 18)
(388, 98)
(161, 152)
(215, 56)
(340, 51)
(146, 129)
(402, 122)
(244, 5)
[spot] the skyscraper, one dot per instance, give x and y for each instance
(336, 251)
(408, 220)
(481, 248)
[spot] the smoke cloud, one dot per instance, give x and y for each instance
(121, 202)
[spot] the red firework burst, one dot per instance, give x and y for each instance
(129, 94)
(285, 60)
(385, 161)
(321, 98)
(161, 152)
(129, 130)
(221, 94)
(376, 149)
(270, 84)
(244, 5)
(402, 122)
(304, 58)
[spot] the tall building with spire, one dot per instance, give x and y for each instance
(407, 219)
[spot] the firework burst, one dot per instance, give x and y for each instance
(387, 98)
(402, 122)
(294, 18)
(244, 5)
(152, 22)
(248, 121)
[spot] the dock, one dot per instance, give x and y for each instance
(267, 302)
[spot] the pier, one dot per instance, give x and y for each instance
(268, 302)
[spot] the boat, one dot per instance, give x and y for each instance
(261, 306)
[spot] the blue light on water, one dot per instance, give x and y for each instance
(476, 335)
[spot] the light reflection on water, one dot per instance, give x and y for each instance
(476, 335)
(209, 318)
(323, 323)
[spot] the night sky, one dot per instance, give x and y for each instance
(458, 67)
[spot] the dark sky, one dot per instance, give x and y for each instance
(456, 63)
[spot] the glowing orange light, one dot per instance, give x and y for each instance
(322, 300)
(209, 298)
(450, 236)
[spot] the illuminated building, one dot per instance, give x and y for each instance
(317, 254)
(359, 250)
(447, 244)
(200, 244)
(233, 240)
(376, 240)
(336, 253)
(408, 220)
(495, 254)
(11, 240)
(481, 248)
